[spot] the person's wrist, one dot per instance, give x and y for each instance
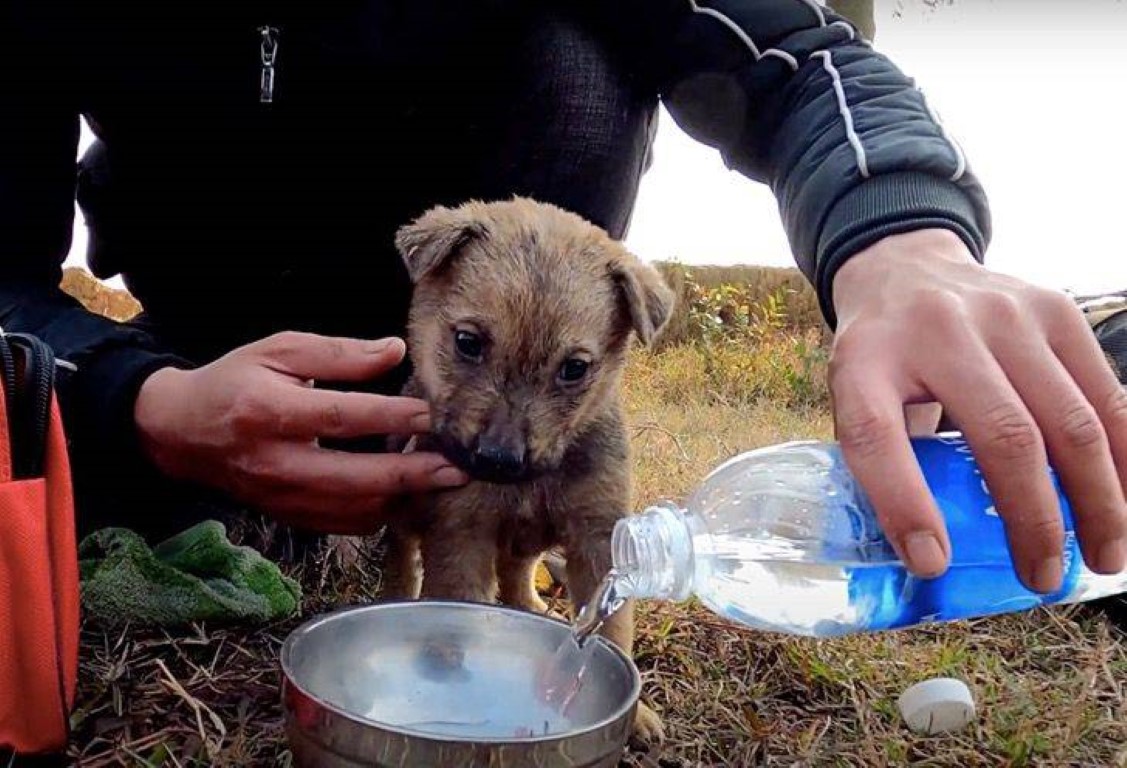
(156, 400)
(923, 246)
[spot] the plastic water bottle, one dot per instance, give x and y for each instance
(783, 539)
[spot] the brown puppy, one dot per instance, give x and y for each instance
(519, 328)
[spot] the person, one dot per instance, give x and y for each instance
(252, 163)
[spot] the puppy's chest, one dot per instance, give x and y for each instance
(525, 517)
(528, 527)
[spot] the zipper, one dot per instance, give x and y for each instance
(8, 379)
(8, 374)
(268, 51)
(30, 413)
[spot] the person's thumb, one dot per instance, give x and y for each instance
(328, 358)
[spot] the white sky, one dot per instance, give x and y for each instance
(1033, 90)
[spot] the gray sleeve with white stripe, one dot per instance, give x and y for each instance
(791, 96)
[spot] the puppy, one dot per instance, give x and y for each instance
(518, 331)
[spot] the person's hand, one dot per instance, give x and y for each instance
(248, 424)
(1020, 372)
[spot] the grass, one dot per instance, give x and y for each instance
(733, 290)
(1051, 685)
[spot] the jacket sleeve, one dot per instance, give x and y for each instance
(38, 145)
(792, 96)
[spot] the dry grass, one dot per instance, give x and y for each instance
(98, 297)
(1051, 685)
(208, 696)
(752, 284)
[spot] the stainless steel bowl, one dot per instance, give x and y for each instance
(432, 683)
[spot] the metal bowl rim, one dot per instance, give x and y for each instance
(311, 624)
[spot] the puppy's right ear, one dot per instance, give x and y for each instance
(429, 241)
(649, 299)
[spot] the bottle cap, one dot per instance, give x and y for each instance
(937, 705)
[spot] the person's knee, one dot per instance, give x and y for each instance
(587, 117)
(586, 81)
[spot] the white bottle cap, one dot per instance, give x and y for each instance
(937, 705)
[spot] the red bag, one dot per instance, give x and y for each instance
(39, 597)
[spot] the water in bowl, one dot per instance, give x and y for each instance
(462, 692)
(488, 717)
(459, 695)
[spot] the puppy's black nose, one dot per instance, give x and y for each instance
(494, 459)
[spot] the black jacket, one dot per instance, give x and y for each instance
(229, 220)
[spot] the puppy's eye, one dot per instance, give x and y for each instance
(469, 345)
(573, 370)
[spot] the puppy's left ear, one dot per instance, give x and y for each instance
(431, 240)
(648, 298)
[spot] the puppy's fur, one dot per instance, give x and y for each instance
(519, 328)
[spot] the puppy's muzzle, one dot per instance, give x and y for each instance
(493, 455)
(498, 460)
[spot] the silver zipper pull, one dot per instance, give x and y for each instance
(269, 53)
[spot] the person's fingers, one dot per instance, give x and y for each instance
(311, 413)
(870, 427)
(328, 358)
(1010, 451)
(344, 474)
(335, 491)
(1079, 450)
(1095, 428)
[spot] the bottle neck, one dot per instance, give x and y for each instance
(653, 553)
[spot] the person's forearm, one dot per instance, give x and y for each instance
(790, 95)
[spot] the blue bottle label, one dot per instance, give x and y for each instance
(981, 580)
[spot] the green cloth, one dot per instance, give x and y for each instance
(197, 575)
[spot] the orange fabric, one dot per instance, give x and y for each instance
(39, 600)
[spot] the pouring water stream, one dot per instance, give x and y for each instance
(562, 676)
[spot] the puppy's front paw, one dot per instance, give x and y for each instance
(647, 726)
(348, 552)
(542, 608)
(534, 603)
